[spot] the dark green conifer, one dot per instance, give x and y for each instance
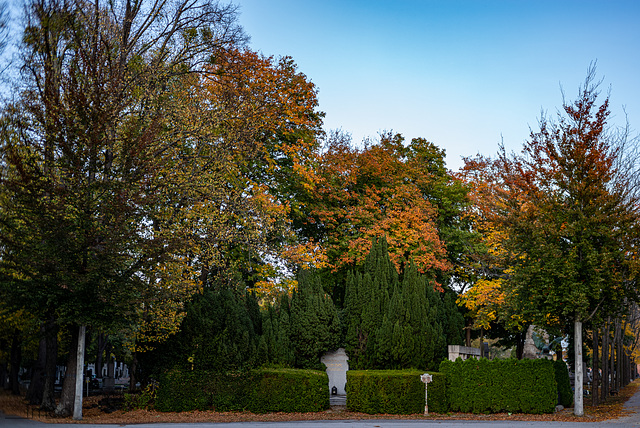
(315, 326)
(393, 324)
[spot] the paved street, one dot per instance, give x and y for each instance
(22, 423)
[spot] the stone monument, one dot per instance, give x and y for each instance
(337, 366)
(463, 352)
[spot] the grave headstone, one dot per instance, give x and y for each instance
(337, 366)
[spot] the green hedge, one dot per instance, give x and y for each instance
(565, 393)
(258, 391)
(393, 392)
(483, 386)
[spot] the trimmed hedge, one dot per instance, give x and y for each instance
(393, 392)
(483, 386)
(258, 391)
(565, 393)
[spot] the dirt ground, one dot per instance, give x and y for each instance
(107, 410)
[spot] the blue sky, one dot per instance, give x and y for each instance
(462, 74)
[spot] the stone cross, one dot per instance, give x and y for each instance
(426, 378)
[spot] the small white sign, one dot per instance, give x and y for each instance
(426, 378)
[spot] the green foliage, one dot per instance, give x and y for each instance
(87, 171)
(289, 390)
(366, 302)
(145, 399)
(315, 326)
(483, 386)
(218, 334)
(394, 392)
(451, 319)
(410, 335)
(258, 391)
(565, 393)
(275, 347)
(395, 323)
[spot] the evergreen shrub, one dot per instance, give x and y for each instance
(483, 386)
(258, 391)
(565, 394)
(393, 392)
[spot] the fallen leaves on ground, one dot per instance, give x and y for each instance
(96, 409)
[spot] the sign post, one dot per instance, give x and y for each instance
(426, 378)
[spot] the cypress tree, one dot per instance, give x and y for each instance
(367, 302)
(451, 319)
(217, 334)
(315, 326)
(393, 324)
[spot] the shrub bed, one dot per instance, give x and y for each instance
(258, 391)
(483, 386)
(393, 392)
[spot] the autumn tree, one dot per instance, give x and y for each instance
(88, 147)
(252, 122)
(488, 260)
(570, 217)
(267, 104)
(392, 189)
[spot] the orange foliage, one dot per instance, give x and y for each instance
(374, 192)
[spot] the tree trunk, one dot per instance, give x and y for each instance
(612, 361)
(102, 344)
(48, 401)
(3, 374)
(467, 333)
(595, 377)
(65, 407)
(619, 355)
(604, 392)
(132, 372)
(578, 409)
(36, 386)
(482, 343)
(77, 405)
(625, 369)
(16, 359)
(520, 338)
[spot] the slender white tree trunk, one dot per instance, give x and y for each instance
(578, 398)
(77, 404)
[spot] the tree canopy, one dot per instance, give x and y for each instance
(566, 213)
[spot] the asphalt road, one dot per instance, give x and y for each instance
(24, 423)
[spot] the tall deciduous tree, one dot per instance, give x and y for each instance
(570, 214)
(392, 189)
(88, 146)
(489, 261)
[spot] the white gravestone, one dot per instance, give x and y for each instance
(337, 366)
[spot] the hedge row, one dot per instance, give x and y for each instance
(565, 393)
(394, 392)
(258, 391)
(478, 386)
(483, 386)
